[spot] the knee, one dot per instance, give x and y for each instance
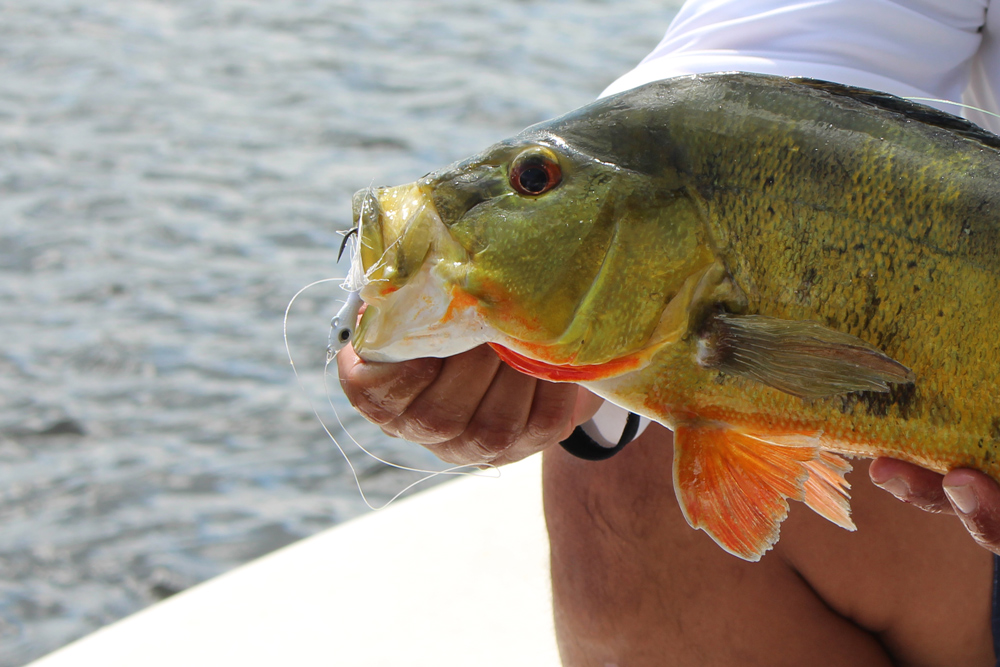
(608, 522)
(593, 506)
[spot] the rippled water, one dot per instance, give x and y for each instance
(170, 174)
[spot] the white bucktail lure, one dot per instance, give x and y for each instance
(343, 324)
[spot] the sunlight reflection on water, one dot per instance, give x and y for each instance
(172, 173)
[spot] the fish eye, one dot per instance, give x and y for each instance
(535, 172)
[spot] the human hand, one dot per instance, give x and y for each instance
(972, 495)
(467, 409)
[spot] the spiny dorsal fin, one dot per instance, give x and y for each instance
(912, 110)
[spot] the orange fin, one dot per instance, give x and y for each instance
(826, 490)
(735, 484)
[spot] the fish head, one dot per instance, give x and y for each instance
(558, 243)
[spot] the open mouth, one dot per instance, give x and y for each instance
(407, 268)
(396, 229)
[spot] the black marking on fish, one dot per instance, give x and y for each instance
(873, 300)
(840, 250)
(847, 404)
(808, 280)
(871, 308)
(884, 339)
(995, 429)
(343, 244)
(879, 403)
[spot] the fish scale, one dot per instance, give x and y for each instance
(958, 367)
(782, 271)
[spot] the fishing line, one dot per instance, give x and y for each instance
(957, 104)
(472, 470)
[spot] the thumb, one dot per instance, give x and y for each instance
(976, 500)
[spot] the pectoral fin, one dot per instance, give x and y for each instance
(735, 483)
(801, 358)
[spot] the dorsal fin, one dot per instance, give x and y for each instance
(912, 110)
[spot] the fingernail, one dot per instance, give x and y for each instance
(963, 497)
(898, 487)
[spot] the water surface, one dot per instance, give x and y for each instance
(171, 173)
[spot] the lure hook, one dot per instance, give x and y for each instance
(343, 244)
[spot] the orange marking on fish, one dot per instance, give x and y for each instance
(565, 372)
(460, 300)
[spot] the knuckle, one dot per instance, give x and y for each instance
(551, 417)
(383, 392)
(473, 450)
(434, 424)
(984, 529)
(550, 422)
(421, 372)
(390, 431)
(458, 452)
(370, 407)
(475, 445)
(490, 438)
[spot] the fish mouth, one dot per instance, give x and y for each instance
(395, 228)
(412, 270)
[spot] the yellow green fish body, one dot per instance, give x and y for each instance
(781, 271)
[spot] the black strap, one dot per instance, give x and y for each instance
(581, 445)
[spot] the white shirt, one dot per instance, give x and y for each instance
(942, 49)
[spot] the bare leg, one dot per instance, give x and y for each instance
(634, 585)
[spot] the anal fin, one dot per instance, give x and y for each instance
(735, 483)
(826, 490)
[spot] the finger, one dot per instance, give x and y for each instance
(587, 405)
(555, 412)
(557, 409)
(910, 483)
(382, 391)
(976, 500)
(445, 406)
(499, 422)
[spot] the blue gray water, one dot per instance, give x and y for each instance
(171, 173)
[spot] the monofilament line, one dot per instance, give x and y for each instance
(957, 104)
(469, 469)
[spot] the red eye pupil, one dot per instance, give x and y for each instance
(534, 174)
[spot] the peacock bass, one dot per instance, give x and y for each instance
(785, 272)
